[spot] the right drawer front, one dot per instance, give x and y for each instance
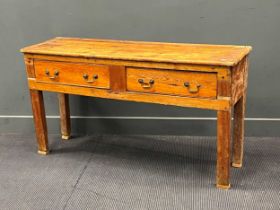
(181, 83)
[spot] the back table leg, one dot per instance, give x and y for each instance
(239, 112)
(223, 149)
(40, 121)
(64, 110)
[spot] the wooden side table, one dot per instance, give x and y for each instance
(188, 75)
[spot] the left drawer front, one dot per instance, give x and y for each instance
(80, 74)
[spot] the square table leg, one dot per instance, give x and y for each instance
(223, 149)
(39, 117)
(238, 141)
(64, 110)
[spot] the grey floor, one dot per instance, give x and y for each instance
(134, 172)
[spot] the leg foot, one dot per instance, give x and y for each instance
(223, 187)
(43, 152)
(65, 137)
(236, 165)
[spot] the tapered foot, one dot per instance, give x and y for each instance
(43, 152)
(223, 187)
(65, 137)
(236, 165)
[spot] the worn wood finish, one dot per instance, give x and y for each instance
(239, 112)
(117, 78)
(29, 65)
(188, 75)
(118, 62)
(224, 84)
(213, 104)
(223, 148)
(239, 115)
(72, 73)
(238, 84)
(203, 85)
(224, 132)
(64, 111)
(224, 55)
(39, 117)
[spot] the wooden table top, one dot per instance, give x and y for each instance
(222, 55)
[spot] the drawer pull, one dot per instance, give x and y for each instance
(55, 74)
(94, 78)
(146, 84)
(193, 88)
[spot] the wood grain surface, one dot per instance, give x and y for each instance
(212, 104)
(40, 122)
(73, 73)
(224, 55)
(239, 124)
(223, 149)
(202, 85)
(64, 112)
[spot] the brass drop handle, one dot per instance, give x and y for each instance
(193, 88)
(146, 84)
(55, 74)
(94, 78)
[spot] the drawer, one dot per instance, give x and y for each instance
(81, 74)
(181, 83)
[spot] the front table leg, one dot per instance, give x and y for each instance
(64, 110)
(39, 117)
(223, 149)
